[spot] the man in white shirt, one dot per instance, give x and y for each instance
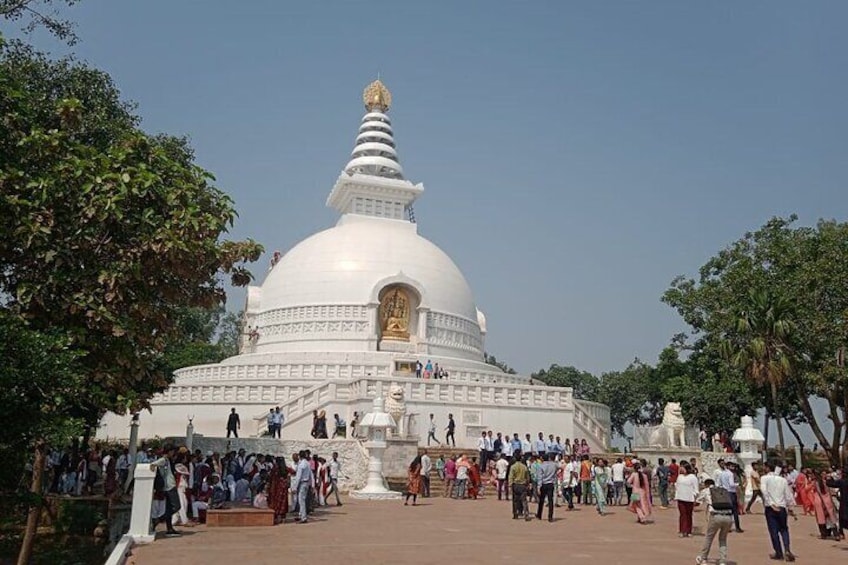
(617, 470)
(278, 420)
(483, 449)
(502, 466)
(335, 470)
(778, 500)
(539, 446)
(526, 444)
(570, 470)
(727, 481)
(426, 467)
(506, 446)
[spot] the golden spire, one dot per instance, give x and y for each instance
(377, 97)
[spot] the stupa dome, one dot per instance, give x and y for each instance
(351, 262)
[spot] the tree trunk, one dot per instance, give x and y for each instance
(766, 430)
(777, 418)
(35, 505)
(828, 446)
(794, 433)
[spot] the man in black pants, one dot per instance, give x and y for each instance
(449, 440)
(519, 478)
(547, 484)
(233, 423)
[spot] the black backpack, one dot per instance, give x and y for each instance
(721, 500)
(158, 481)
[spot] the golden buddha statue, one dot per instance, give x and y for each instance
(394, 314)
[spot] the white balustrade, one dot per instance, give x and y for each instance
(141, 504)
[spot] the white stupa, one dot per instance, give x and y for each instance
(345, 316)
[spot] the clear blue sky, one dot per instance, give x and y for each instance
(576, 156)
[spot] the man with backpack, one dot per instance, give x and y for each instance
(164, 482)
(726, 478)
(718, 507)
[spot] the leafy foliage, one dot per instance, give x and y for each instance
(109, 233)
(585, 385)
(41, 382)
(775, 303)
(40, 14)
(491, 360)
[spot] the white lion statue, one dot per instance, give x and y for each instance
(396, 408)
(672, 431)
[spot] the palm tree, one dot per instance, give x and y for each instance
(761, 345)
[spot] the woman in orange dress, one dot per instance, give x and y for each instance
(802, 492)
(413, 481)
(278, 493)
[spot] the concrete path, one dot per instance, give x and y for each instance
(440, 530)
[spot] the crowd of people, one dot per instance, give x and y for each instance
(188, 484)
(95, 471)
(553, 473)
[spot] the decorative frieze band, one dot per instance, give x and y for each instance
(451, 331)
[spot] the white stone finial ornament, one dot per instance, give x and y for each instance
(376, 425)
(750, 440)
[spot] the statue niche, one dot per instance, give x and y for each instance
(395, 314)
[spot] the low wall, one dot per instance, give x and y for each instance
(398, 456)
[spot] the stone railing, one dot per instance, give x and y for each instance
(594, 420)
(331, 368)
(442, 391)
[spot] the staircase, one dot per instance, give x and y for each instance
(437, 485)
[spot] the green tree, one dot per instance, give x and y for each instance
(632, 396)
(760, 345)
(36, 14)
(205, 335)
(41, 380)
(798, 273)
(711, 393)
(108, 233)
(585, 385)
(491, 360)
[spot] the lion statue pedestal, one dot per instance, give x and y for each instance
(396, 408)
(666, 441)
(672, 431)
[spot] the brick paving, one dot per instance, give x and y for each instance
(476, 531)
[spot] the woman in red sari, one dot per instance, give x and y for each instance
(413, 481)
(802, 492)
(474, 480)
(278, 493)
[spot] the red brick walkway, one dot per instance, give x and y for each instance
(481, 531)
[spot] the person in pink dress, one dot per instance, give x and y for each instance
(640, 498)
(819, 496)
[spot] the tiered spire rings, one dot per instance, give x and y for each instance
(374, 152)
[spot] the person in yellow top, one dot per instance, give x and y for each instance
(519, 478)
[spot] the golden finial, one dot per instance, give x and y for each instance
(377, 97)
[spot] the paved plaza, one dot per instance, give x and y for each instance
(482, 531)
